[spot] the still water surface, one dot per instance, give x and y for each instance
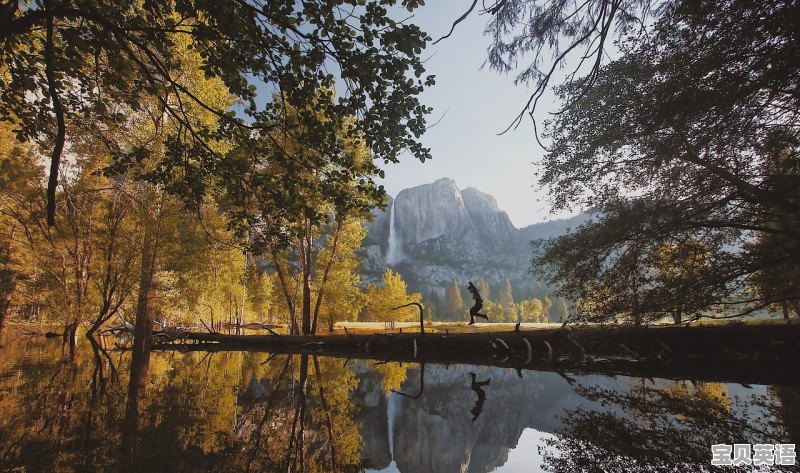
(245, 411)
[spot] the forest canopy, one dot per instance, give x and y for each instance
(178, 134)
(685, 148)
(93, 61)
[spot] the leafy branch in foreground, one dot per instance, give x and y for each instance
(688, 149)
(535, 40)
(93, 61)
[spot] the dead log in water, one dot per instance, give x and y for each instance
(761, 354)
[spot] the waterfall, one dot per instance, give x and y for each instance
(390, 413)
(391, 410)
(394, 254)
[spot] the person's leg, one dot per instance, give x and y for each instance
(479, 306)
(472, 312)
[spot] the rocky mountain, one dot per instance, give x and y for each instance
(441, 233)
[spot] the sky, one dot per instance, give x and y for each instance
(474, 105)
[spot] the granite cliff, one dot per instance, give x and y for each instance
(444, 233)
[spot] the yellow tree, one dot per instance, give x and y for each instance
(531, 311)
(495, 312)
(158, 137)
(18, 175)
(95, 217)
(393, 292)
(337, 276)
(202, 273)
(64, 253)
(701, 399)
(259, 292)
(681, 272)
(323, 192)
(393, 374)
(102, 210)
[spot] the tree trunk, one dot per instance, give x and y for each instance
(81, 257)
(70, 340)
(140, 364)
(102, 317)
(677, 316)
(71, 327)
(326, 272)
(306, 258)
(327, 411)
(306, 304)
(293, 329)
(143, 330)
(9, 285)
(294, 454)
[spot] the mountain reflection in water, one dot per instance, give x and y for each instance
(245, 411)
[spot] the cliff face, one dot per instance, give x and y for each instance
(430, 212)
(372, 414)
(492, 224)
(447, 233)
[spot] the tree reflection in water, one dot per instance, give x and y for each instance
(304, 422)
(55, 413)
(648, 428)
(250, 412)
(183, 412)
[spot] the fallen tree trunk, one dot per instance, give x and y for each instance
(761, 354)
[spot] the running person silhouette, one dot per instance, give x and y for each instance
(473, 311)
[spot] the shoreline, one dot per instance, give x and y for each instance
(747, 354)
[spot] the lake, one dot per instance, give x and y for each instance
(248, 411)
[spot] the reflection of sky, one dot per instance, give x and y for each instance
(525, 458)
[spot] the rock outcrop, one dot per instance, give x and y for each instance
(447, 233)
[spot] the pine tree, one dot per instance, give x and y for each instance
(506, 298)
(453, 301)
(434, 305)
(483, 288)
